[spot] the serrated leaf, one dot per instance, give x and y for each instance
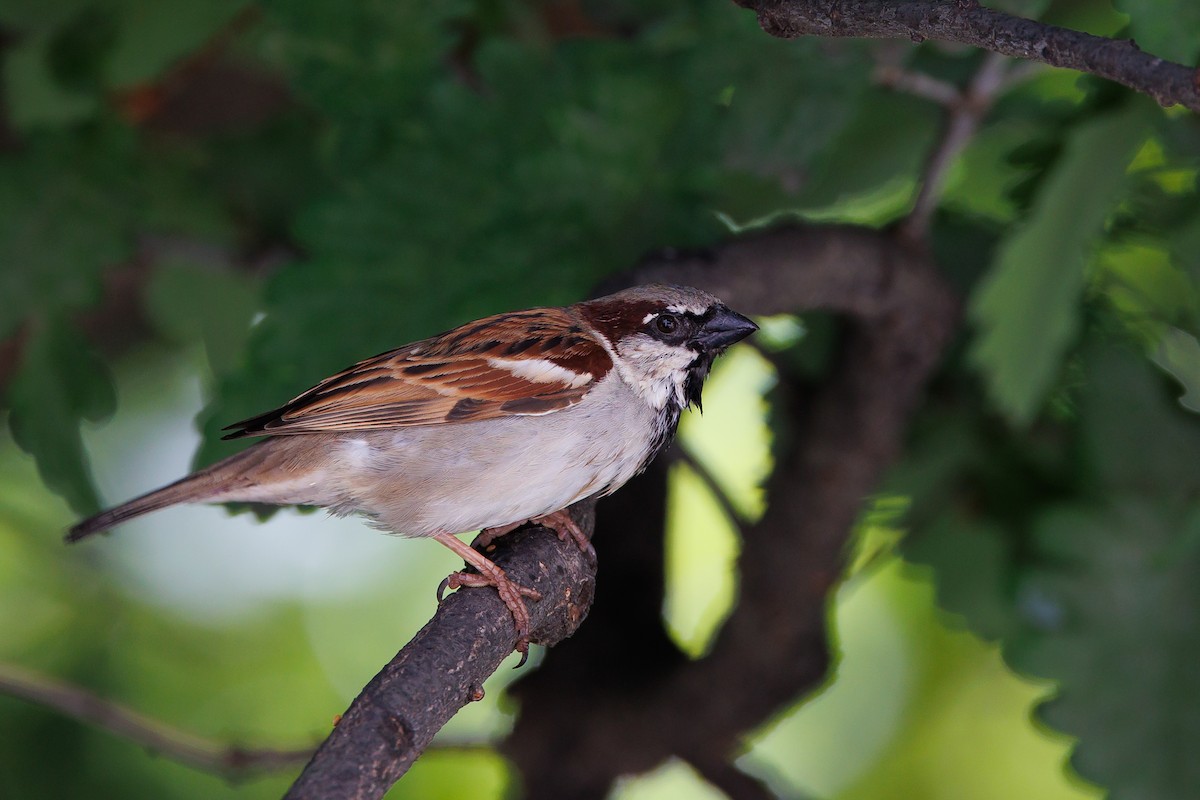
(59, 383)
(454, 203)
(974, 564)
(1169, 29)
(1117, 624)
(1026, 311)
(1179, 354)
(365, 65)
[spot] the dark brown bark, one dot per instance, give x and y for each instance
(601, 707)
(967, 22)
(620, 698)
(445, 665)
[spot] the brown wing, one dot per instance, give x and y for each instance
(526, 362)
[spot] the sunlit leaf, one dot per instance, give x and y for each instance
(1179, 354)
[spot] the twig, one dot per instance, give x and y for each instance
(187, 748)
(1020, 72)
(681, 455)
(964, 117)
(917, 84)
(967, 22)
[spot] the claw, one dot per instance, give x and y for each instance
(558, 521)
(562, 524)
(490, 574)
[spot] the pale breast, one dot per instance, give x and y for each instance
(423, 480)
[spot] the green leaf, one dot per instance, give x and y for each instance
(1133, 435)
(66, 210)
(1169, 29)
(859, 161)
(525, 195)
(1114, 617)
(1179, 354)
(982, 182)
(974, 565)
(366, 65)
(156, 36)
(70, 54)
(188, 303)
(1026, 311)
(32, 93)
(59, 383)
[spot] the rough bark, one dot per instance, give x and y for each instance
(967, 22)
(599, 708)
(444, 667)
(621, 698)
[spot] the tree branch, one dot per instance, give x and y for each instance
(967, 22)
(195, 751)
(445, 665)
(900, 315)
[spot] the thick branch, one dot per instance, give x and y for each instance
(444, 667)
(967, 22)
(773, 648)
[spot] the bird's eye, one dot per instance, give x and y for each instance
(666, 323)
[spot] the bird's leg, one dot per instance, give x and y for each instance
(558, 521)
(490, 574)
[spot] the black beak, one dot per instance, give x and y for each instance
(723, 329)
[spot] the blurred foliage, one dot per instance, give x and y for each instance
(295, 184)
(1039, 269)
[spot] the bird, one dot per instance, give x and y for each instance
(507, 419)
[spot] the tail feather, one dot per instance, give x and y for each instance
(190, 489)
(223, 481)
(275, 471)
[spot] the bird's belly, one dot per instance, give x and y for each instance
(425, 480)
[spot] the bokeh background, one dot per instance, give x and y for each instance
(206, 207)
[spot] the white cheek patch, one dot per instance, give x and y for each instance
(540, 370)
(655, 369)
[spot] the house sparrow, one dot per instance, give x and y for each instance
(506, 419)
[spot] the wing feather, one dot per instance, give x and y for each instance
(523, 363)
